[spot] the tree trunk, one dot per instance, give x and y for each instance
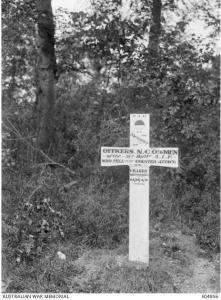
(155, 28)
(46, 66)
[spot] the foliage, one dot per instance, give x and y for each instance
(36, 220)
(99, 218)
(105, 72)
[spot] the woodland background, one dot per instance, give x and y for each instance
(69, 83)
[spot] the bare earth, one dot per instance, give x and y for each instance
(189, 267)
(200, 274)
(204, 279)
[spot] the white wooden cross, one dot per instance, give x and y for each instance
(139, 157)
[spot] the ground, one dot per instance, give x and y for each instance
(182, 267)
(177, 265)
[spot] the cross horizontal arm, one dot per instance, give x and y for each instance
(139, 157)
(161, 157)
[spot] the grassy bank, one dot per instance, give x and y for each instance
(174, 257)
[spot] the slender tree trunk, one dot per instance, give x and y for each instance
(46, 66)
(155, 28)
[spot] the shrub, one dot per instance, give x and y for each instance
(99, 217)
(36, 218)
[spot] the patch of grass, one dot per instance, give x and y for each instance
(87, 270)
(109, 271)
(96, 271)
(106, 272)
(49, 274)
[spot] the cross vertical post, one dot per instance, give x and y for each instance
(139, 193)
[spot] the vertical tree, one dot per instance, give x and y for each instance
(46, 66)
(155, 27)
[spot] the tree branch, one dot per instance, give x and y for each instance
(22, 139)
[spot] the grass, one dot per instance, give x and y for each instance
(88, 270)
(97, 270)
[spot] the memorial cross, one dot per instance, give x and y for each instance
(139, 157)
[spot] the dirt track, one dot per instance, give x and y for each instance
(204, 279)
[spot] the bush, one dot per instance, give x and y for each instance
(99, 217)
(208, 232)
(36, 217)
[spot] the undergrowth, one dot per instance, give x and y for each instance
(90, 270)
(46, 209)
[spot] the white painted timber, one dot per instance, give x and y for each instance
(139, 157)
